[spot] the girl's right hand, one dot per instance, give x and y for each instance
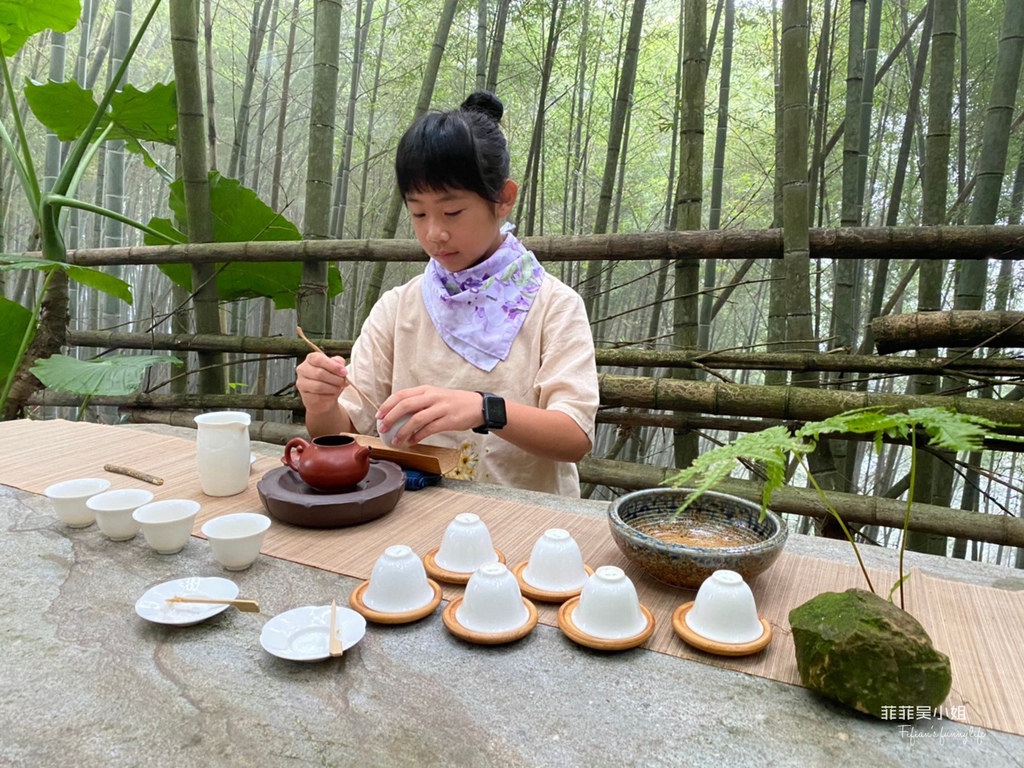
(320, 380)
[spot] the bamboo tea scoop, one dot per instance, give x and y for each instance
(246, 606)
(350, 382)
(334, 644)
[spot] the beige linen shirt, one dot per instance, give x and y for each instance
(551, 365)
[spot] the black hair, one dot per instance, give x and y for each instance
(463, 148)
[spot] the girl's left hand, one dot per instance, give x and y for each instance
(431, 410)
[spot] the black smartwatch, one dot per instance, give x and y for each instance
(494, 413)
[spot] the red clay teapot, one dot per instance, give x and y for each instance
(330, 463)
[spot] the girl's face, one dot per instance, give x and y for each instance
(457, 228)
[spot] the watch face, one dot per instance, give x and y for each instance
(494, 412)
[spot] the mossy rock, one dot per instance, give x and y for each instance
(862, 650)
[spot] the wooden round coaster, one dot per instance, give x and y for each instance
(356, 601)
(712, 646)
(577, 635)
(544, 596)
(451, 577)
(487, 638)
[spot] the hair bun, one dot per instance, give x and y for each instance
(486, 103)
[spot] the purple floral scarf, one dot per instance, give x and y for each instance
(479, 311)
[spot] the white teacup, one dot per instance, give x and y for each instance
(389, 436)
(114, 512)
(492, 602)
(609, 607)
(466, 545)
(556, 563)
(724, 610)
(69, 499)
(398, 583)
(236, 539)
(167, 525)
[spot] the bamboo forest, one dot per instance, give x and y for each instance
(776, 212)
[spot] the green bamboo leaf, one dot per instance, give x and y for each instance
(14, 320)
(20, 19)
(115, 376)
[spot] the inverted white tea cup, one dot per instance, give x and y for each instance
(114, 510)
(69, 499)
(398, 582)
(609, 607)
(492, 602)
(466, 545)
(167, 525)
(556, 563)
(724, 610)
(236, 539)
(389, 436)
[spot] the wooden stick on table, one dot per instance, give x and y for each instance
(350, 382)
(334, 643)
(137, 474)
(246, 606)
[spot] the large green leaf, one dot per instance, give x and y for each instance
(67, 109)
(14, 319)
(20, 19)
(240, 217)
(93, 278)
(106, 376)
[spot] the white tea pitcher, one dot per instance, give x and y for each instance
(222, 449)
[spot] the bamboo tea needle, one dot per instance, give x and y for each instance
(137, 474)
(350, 382)
(334, 644)
(246, 606)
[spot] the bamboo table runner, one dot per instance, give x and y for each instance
(979, 628)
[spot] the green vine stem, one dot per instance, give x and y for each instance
(59, 201)
(910, 501)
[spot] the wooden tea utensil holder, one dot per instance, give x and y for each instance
(577, 635)
(355, 599)
(712, 646)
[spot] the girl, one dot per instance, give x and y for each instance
(485, 352)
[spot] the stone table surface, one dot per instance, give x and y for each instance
(85, 682)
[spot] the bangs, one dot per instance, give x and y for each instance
(438, 153)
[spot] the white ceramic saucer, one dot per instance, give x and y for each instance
(302, 634)
(153, 605)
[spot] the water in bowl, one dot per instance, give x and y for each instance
(710, 534)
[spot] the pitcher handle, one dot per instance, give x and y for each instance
(297, 444)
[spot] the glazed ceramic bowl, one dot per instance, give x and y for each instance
(167, 525)
(114, 510)
(493, 602)
(398, 583)
(724, 610)
(466, 545)
(716, 532)
(556, 564)
(609, 607)
(69, 500)
(236, 538)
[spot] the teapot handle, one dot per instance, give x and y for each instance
(296, 443)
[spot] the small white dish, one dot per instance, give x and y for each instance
(466, 545)
(69, 500)
(153, 605)
(493, 602)
(398, 583)
(236, 538)
(167, 525)
(114, 511)
(609, 607)
(302, 634)
(556, 563)
(724, 610)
